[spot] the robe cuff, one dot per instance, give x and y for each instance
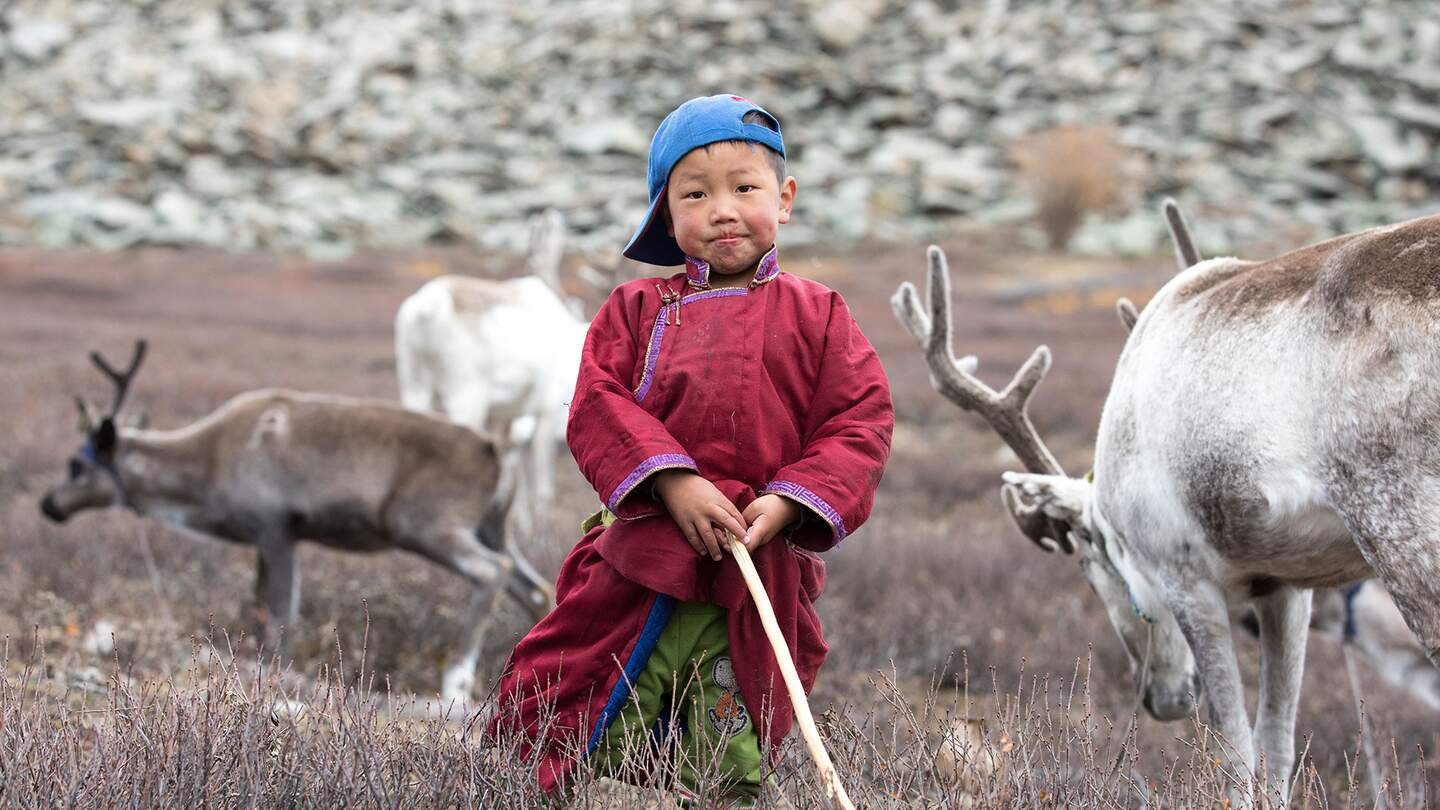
(811, 501)
(646, 468)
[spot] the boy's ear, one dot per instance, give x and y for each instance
(787, 198)
(665, 215)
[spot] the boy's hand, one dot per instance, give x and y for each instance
(767, 515)
(698, 508)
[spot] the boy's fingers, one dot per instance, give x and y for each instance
(707, 535)
(759, 531)
(692, 538)
(738, 517)
(730, 522)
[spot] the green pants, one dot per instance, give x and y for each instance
(686, 706)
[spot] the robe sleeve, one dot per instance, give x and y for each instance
(848, 431)
(617, 444)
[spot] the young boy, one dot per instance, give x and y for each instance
(728, 398)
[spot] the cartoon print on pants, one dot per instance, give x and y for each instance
(728, 715)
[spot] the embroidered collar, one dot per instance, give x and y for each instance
(697, 271)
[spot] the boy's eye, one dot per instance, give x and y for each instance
(694, 195)
(744, 188)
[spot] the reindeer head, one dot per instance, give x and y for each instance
(1161, 661)
(1054, 510)
(93, 479)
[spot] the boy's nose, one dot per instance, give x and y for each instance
(723, 211)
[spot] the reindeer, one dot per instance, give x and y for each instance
(1362, 616)
(1265, 434)
(272, 467)
(499, 355)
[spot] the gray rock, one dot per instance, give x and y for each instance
(209, 176)
(390, 123)
(1393, 149)
(38, 40)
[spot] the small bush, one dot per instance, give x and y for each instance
(1071, 171)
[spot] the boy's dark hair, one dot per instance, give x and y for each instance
(777, 161)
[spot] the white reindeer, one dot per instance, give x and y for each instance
(271, 467)
(1362, 615)
(501, 356)
(1268, 431)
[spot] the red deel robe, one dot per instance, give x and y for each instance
(765, 388)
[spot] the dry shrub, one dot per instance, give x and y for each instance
(1072, 171)
(226, 733)
(937, 590)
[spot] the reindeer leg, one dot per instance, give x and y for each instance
(458, 681)
(277, 589)
(522, 510)
(526, 586)
(1284, 618)
(542, 461)
(487, 570)
(1398, 531)
(1204, 619)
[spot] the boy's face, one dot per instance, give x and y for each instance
(725, 205)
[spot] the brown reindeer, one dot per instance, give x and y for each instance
(272, 467)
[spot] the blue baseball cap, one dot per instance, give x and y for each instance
(696, 123)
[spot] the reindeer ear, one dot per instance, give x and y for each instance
(1030, 520)
(1057, 496)
(105, 437)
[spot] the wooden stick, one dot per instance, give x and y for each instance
(828, 777)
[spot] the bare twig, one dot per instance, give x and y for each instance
(828, 777)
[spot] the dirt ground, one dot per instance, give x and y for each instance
(936, 585)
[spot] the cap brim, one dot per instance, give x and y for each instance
(652, 243)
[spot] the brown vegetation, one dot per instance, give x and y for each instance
(1071, 172)
(937, 587)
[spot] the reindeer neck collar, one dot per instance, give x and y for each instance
(1110, 538)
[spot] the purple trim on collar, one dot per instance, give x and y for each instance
(652, 353)
(650, 465)
(697, 272)
(769, 266)
(810, 499)
(720, 293)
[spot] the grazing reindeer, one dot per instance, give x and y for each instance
(1268, 431)
(273, 467)
(498, 355)
(1362, 615)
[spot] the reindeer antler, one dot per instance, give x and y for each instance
(1185, 253)
(1004, 410)
(120, 379)
(1127, 313)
